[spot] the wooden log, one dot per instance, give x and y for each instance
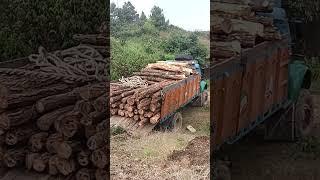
(46, 121)
(83, 158)
(20, 134)
(40, 163)
(155, 79)
(141, 111)
(53, 142)
(131, 101)
(114, 111)
(121, 106)
(101, 174)
(97, 141)
(128, 93)
(99, 158)
(57, 101)
(14, 157)
(148, 114)
(246, 40)
(84, 107)
(155, 106)
(271, 34)
(121, 112)
(170, 67)
(101, 103)
(124, 100)
(37, 141)
(119, 91)
(143, 120)
(4, 93)
(152, 89)
(136, 117)
(242, 26)
(158, 71)
(69, 124)
(155, 119)
(241, 2)
(91, 92)
(144, 103)
(226, 49)
(27, 97)
(103, 126)
(85, 174)
(95, 117)
(16, 117)
(231, 10)
(65, 166)
(52, 165)
(90, 131)
(116, 104)
(161, 75)
(30, 157)
(262, 5)
(129, 108)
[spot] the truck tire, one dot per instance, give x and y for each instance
(304, 118)
(176, 123)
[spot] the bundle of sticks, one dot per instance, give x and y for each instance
(53, 126)
(143, 103)
(240, 24)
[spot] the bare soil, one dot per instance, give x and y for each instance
(173, 156)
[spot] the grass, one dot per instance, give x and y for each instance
(198, 118)
(153, 147)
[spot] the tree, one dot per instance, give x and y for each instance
(128, 13)
(143, 17)
(158, 18)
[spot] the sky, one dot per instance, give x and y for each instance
(188, 14)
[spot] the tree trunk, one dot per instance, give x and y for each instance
(96, 141)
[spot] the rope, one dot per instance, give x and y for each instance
(79, 62)
(134, 82)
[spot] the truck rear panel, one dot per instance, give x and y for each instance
(249, 88)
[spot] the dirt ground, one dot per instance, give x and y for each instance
(172, 156)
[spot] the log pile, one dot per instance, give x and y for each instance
(56, 124)
(141, 101)
(237, 25)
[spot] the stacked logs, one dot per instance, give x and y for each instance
(54, 125)
(239, 24)
(143, 104)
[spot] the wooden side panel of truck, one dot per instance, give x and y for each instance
(248, 89)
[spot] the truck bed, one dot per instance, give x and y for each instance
(174, 97)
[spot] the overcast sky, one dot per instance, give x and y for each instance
(188, 14)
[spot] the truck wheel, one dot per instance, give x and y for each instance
(304, 114)
(176, 123)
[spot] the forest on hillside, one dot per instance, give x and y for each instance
(137, 40)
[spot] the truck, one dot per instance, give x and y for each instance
(266, 85)
(189, 91)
